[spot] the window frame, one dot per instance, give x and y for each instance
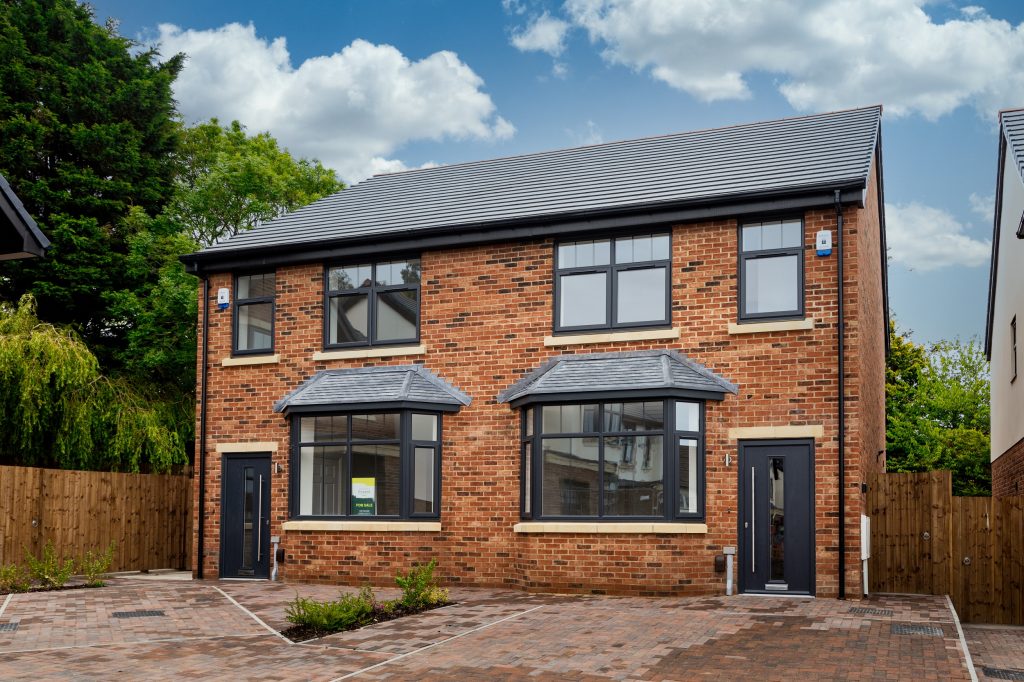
(240, 302)
(371, 297)
(533, 476)
(407, 455)
(742, 257)
(610, 271)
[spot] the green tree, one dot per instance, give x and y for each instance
(227, 182)
(230, 181)
(937, 411)
(61, 411)
(87, 131)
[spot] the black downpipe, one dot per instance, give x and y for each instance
(200, 544)
(842, 405)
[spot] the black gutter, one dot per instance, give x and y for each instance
(200, 544)
(993, 270)
(884, 247)
(842, 404)
(500, 231)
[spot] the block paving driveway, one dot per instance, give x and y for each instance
(159, 630)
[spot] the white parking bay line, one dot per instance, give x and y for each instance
(7, 601)
(436, 644)
(252, 615)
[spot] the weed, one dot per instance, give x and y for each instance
(49, 571)
(14, 578)
(93, 565)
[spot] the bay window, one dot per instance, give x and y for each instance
(613, 460)
(372, 464)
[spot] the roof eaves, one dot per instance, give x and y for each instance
(28, 225)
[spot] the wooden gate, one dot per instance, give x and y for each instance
(925, 541)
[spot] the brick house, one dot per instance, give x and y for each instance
(1005, 307)
(593, 369)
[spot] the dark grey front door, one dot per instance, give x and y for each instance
(245, 516)
(777, 517)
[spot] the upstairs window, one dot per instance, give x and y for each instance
(613, 283)
(254, 314)
(372, 303)
(771, 270)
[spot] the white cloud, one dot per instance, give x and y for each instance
(544, 33)
(925, 238)
(983, 207)
(352, 109)
(825, 54)
(589, 133)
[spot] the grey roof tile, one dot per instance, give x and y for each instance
(822, 151)
(1013, 128)
(373, 385)
(13, 211)
(622, 371)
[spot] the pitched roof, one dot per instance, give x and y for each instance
(20, 237)
(774, 158)
(666, 372)
(398, 386)
(1012, 124)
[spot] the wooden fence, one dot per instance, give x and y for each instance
(147, 516)
(925, 541)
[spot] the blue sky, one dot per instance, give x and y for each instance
(374, 86)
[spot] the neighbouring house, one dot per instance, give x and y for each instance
(20, 237)
(1006, 308)
(591, 369)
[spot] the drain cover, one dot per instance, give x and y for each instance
(866, 611)
(907, 629)
(11, 627)
(137, 614)
(1003, 673)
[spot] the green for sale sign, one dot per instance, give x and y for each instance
(364, 496)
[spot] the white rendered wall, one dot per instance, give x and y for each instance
(1008, 398)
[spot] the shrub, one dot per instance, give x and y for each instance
(14, 578)
(419, 587)
(93, 565)
(330, 616)
(49, 571)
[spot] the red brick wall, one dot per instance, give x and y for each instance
(485, 312)
(1008, 472)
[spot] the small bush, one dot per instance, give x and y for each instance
(419, 587)
(49, 571)
(330, 616)
(93, 565)
(14, 578)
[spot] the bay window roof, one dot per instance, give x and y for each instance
(595, 376)
(393, 387)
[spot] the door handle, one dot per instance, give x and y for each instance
(753, 526)
(259, 522)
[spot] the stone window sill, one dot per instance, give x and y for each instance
(629, 528)
(362, 353)
(612, 337)
(244, 360)
(780, 326)
(365, 526)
